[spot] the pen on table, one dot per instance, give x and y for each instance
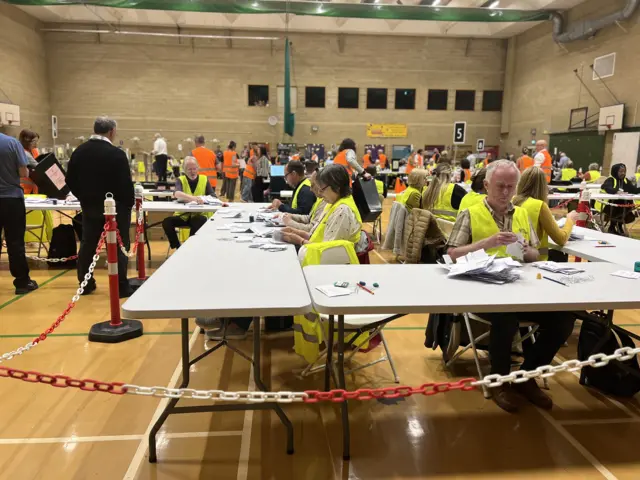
(365, 289)
(554, 280)
(604, 246)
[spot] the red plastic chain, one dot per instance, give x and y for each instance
(63, 315)
(62, 381)
(139, 230)
(428, 389)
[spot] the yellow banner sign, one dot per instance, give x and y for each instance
(386, 130)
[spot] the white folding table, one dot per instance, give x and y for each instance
(620, 250)
(181, 288)
(48, 205)
(431, 291)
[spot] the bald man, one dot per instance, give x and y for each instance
(543, 159)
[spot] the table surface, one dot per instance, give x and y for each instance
(625, 253)
(594, 196)
(166, 206)
(253, 283)
(210, 229)
(60, 206)
(161, 193)
(427, 289)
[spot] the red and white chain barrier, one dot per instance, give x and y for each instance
(43, 336)
(314, 396)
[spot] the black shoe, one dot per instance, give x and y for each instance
(90, 288)
(30, 286)
(125, 291)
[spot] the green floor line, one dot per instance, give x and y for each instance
(18, 297)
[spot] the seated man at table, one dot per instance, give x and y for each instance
(189, 188)
(303, 198)
(492, 225)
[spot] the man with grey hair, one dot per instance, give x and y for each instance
(96, 168)
(492, 225)
(190, 187)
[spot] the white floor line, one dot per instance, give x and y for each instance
(599, 421)
(379, 256)
(134, 466)
(112, 438)
(245, 443)
(578, 446)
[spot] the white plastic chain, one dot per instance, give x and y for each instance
(520, 376)
(20, 350)
(51, 260)
(139, 230)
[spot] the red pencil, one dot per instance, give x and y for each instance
(365, 289)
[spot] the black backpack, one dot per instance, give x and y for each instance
(611, 379)
(63, 244)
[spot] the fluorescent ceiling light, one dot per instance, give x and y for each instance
(435, 3)
(495, 4)
(320, 9)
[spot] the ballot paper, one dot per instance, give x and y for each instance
(224, 226)
(230, 214)
(240, 229)
(479, 265)
(626, 274)
(210, 200)
(554, 267)
(333, 291)
(516, 249)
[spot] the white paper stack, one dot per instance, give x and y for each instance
(480, 266)
(564, 269)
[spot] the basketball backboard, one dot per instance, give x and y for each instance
(611, 118)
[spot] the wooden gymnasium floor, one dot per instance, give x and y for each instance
(50, 433)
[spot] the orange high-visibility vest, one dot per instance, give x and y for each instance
(547, 165)
(230, 170)
(250, 172)
(35, 153)
(419, 161)
(314, 158)
(526, 162)
(207, 163)
(367, 160)
(467, 175)
(410, 167)
(341, 159)
(383, 160)
(28, 186)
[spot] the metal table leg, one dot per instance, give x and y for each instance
(172, 409)
(329, 360)
(346, 440)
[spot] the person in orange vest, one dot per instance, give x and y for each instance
(347, 158)
(29, 140)
(411, 163)
(465, 174)
(436, 156)
(231, 170)
(419, 159)
(543, 159)
(525, 161)
(488, 159)
(248, 178)
(366, 159)
(382, 159)
(206, 161)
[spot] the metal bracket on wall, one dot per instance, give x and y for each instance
(228, 41)
(342, 43)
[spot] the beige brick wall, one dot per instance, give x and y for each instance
(546, 88)
(23, 72)
(184, 88)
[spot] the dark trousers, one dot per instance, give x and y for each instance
(554, 329)
(13, 220)
(161, 167)
(229, 188)
(257, 190)
(272, 324)
(169, 225)
(92, 227)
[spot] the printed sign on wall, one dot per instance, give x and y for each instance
(386, 130)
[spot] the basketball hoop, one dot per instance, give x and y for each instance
(603, 129)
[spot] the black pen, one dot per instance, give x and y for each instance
(554, 280)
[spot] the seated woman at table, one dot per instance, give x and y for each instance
(616, 183)
(412, 196)
(189, 188)
(340, 220)
(442, 197)
(306, 223)
(532, 195)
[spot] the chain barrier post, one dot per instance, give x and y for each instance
(116, 330)
(584, 208)
(136, 283)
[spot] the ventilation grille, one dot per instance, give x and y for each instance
(604, 66)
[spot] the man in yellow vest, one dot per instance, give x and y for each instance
(303, 198)
(593, 174)
(190, 187)
(492, 225)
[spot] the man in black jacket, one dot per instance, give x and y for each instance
(95, 169)
(303, 198)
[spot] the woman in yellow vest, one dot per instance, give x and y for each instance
(532, 195)
(190, 187)
(412, 196)
(478, 190)
(442, 197)
(341, 219)
(593, 174)
(307, 222)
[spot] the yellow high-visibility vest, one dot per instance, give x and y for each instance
(484, 226)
